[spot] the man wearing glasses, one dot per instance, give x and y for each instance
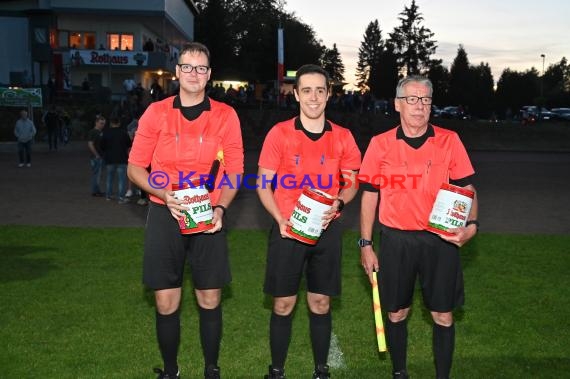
(186, 136)
(426, 156)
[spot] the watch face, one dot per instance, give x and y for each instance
(362, 242)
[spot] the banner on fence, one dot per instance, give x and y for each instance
(20, 97)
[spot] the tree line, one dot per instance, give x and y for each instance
(242, 37)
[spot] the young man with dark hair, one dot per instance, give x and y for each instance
(307, 147)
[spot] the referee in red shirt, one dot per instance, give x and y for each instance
(176, 137)
(308, 148)
(404, 169)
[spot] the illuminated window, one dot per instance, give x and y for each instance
(113, 41)
(75, 41)
(120, 41)
(127, 41)
(82, 40)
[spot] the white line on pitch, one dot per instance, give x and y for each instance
(336, 359)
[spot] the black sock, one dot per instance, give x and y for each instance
(397, 339)
(168, 335)
(211, 334)
(321, 326)
(279, 338)
(443, 345)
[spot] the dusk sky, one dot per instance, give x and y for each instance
(505, 33)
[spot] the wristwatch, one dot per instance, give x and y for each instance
(472, 222)
(221, 207)
(364, 242)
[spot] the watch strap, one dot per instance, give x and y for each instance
(221, 207)
(472, 222)
(362, 242)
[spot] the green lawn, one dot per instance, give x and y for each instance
(73, 306)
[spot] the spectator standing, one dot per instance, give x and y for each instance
(52, 122)
(115, 145)
(148, 45)
(25, 131)
(156, 91)
(131, 187)
(129, 85)
(96, 158)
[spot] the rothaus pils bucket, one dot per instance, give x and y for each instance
(307, 217)
(198, 216)
(450, 209)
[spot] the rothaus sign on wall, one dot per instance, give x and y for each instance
(107, 57)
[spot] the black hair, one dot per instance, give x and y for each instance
(195, 47)
(312, 69)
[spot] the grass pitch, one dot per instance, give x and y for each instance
(73, 306)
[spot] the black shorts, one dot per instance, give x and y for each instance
(405, 255)
(286, 259)
(166, 250)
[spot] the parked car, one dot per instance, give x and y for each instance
(454, 112)
(435, 111)
(381, 106)
(532, 113)
(561, 113)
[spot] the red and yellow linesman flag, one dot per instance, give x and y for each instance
(378, 314)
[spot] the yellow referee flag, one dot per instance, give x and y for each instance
(378, 315)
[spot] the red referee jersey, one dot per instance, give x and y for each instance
(170, 143)
(409, 178)
(300, 162)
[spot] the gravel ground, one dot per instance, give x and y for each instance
(519, 192)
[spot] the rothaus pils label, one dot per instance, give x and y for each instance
(450, 209)
(197, 217)
(307, 216)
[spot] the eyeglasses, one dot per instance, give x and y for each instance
(413, 100)
(188, 68)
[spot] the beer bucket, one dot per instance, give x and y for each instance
(195, 197)
(307, 216)
(450, 209)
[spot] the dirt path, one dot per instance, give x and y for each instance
(519, 193)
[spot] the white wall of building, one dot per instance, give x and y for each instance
(181, 15)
